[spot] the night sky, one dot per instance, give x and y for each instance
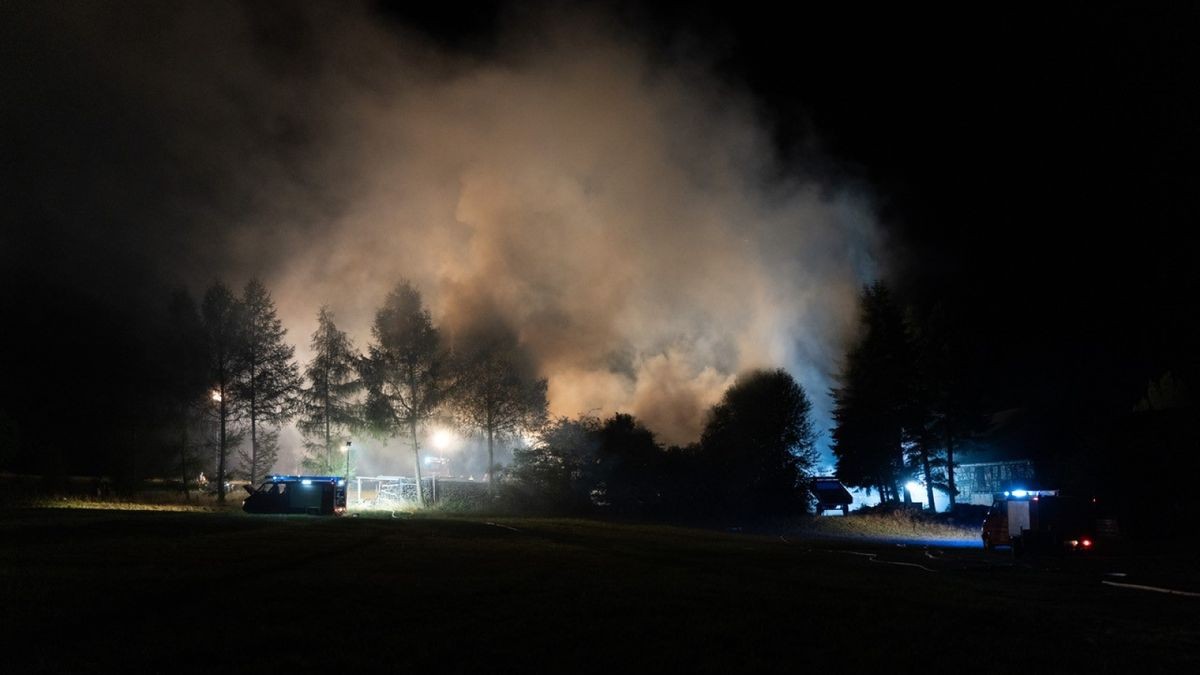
(1033, 167)
(1032, 170)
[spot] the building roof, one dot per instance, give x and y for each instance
(830, 490)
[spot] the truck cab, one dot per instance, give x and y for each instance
(313, 495)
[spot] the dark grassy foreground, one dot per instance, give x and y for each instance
(91, 591)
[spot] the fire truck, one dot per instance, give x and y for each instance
(313, 495)
(1040, 520)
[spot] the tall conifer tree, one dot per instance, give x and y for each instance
(269, 381)
(329, 406)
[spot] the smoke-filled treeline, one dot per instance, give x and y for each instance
(221, 381)
(754, 458)
(616, 208)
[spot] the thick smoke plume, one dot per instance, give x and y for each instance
(623, 213)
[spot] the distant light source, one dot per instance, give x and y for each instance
(442, 438)
(1020, 493)
(216, 396)
(913, 486)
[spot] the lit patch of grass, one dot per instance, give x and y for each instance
(120, 505)
(895, 525)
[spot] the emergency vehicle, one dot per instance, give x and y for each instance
(1040, 519)
(313, 495)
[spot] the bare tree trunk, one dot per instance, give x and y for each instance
(253, 440)
(928, 478)
(328, 439)
(412, 426)
(253, 421)
(183, 472)
(328, 435)
(491, 457)
(221, 448)
(950, 465)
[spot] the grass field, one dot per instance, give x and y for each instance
(155, 591)
(899, 526)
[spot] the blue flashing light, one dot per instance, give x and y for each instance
(1020, 493)
(306, 480)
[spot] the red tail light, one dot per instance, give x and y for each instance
(1087, 543)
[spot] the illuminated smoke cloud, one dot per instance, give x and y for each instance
(624, 216)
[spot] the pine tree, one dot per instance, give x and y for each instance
(269, 379)
(407, 373)
(329, 407)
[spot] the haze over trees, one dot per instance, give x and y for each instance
(222, 377)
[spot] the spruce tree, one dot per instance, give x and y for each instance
(269, 379)
(329, 406)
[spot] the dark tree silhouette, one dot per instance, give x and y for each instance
(183, 369)
(759, 441)
(873, 398)
(269, 380)
(627, 469)
(407, 372)
(329, 407)
(223, 327)
(946, 388)
(556, 473)
(499, 395)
